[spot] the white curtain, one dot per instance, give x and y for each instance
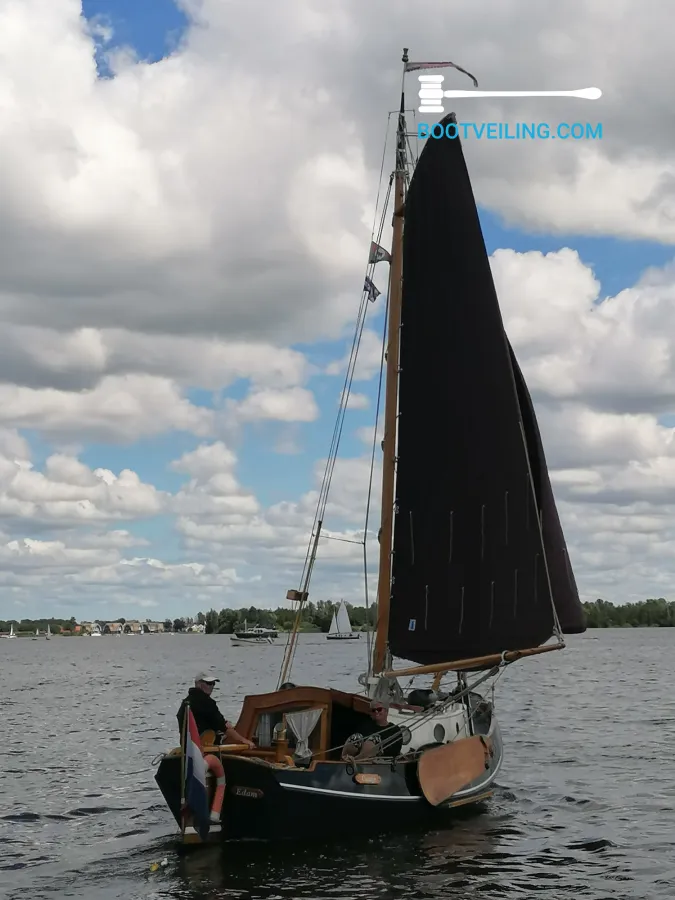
(302, 724)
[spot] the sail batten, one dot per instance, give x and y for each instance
(485, 568)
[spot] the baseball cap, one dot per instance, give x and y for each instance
(207, 677)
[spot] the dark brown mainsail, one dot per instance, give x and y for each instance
(470, 571)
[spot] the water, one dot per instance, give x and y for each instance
(585, 806)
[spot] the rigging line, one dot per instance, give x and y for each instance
(372, 470)
(377, 417)
(379, 183)
(415, 722)
(329, 537)
(291, 645)
(337, 431)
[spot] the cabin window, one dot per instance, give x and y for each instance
(263, 730)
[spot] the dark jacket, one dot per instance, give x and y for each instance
(205, 710)
(388, 739)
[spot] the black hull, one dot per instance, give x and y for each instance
(251, 635)
(268, 802)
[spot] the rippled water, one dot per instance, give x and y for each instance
(584, 807)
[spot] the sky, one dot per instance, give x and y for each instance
(189, 193)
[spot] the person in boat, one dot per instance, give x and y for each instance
(207, 715)
(377, 738)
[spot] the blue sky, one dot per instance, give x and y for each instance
(153, 29)
(276, 460)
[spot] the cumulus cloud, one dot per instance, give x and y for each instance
(167, 235)
(87, 563)
(291, 405)
(67, 491)
(215, 514)
(128, 204)
(119, 408)
(77, 360)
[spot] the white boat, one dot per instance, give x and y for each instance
(341, 626)
(11, 632)
(253, 636)
(37, 634)
(49, 633)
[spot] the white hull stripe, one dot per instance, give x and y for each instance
(313, 790)
(476, 789)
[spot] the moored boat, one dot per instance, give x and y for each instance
(473, 576)
(253, 636)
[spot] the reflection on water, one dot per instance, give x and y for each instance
(584, 808)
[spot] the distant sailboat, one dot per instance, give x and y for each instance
(11, 631)
(341, 626)
(37, 634)
(49, 633)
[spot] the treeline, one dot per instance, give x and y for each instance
(315, 617)
(57, 626)
(68, 626)
(651, 613)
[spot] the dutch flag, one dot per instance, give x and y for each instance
(194, 789)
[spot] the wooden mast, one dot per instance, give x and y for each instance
(391, 393)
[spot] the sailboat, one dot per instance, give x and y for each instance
(49, 633)
(341, 626)
(473, 574)
(11, 631)
(37, 634)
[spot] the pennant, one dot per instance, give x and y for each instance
(414, 66)
(373, 292)
(377, 254)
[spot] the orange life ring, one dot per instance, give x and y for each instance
(215, 765)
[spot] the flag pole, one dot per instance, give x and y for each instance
(183, 768)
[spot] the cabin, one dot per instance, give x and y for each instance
(153, 627)
(329, 718)
(113, 628)
(133, 628)
(90, 628)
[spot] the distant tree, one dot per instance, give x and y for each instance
(168, 625)
(211, 622)
(643, 614)
(179, 624)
